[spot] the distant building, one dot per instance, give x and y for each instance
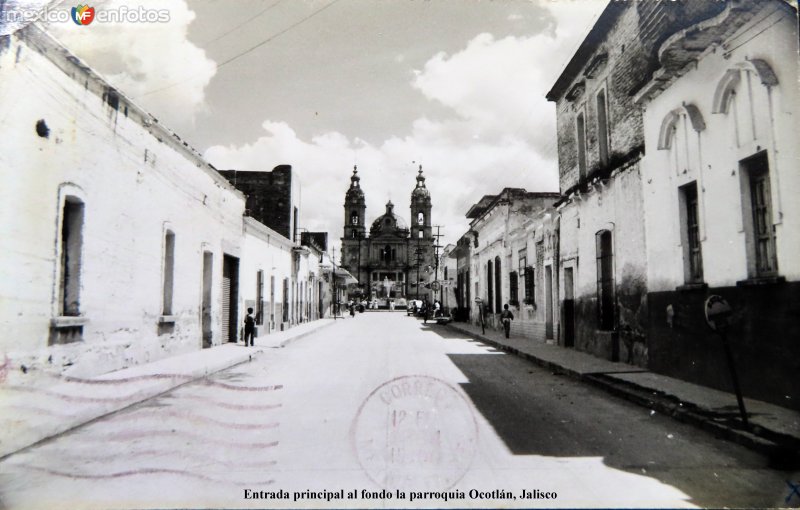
(497, 259)
(272, 197)
(463, 293)
(394, 261)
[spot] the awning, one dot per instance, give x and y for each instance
(344, 276)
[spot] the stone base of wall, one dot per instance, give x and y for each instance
(89, 358)
(763, 338)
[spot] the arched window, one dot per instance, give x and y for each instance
(354, 218)
(420, 218)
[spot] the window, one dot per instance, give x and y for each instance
(498, 286)
(420, 218)
(71, 253)
(580, 126)
(602, 127)
(692, 254)
(260, 297)
(354, 218)
(530, 286)
(605, 280)
(759, 227)
(169, 272)
(421, 234)
(272, 299)
(513, 286)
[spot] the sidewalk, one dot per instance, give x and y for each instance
(774, 429)
(29, 415)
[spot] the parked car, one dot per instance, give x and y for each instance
(413, 306)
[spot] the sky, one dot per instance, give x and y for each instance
(457, 86)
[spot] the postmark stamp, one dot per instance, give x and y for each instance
(415, 433)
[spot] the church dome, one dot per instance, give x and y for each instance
(388, 222)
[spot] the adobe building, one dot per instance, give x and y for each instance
(603, 256)
(122, 244)
(126, 243)
(720, 182)
(394, 261)
(503, 263)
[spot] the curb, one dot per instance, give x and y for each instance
(782, 449)
(289, 340)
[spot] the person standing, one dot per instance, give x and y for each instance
(249, 327)
(506, 317)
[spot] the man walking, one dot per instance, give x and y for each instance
(506, 317)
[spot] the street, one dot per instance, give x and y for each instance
(305, 418)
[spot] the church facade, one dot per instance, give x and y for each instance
(393, 261)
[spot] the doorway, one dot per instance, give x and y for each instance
(230, 297)
(569, 308)
(548, 301)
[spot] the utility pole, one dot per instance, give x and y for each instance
(335, 290)
(436, 247)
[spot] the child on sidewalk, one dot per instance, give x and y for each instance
(249, 326)
(506, 317)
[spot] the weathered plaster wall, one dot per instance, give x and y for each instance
(617, 207)
(136, 181)
(714, 155)
(264, 250)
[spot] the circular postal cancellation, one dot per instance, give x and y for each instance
(415, 433)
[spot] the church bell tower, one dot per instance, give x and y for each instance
(354, 239)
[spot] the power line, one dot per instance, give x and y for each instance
(245, 22)
(245, 52)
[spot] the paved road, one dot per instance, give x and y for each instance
(318, 415)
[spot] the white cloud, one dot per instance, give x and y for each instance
(501, 133)
(140, 57)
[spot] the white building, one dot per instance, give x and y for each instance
(495, 255)
(120, 244)
(720, 182)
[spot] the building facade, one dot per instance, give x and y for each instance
(120, 244)
(719, 181)
(498, 228)
(272, 198)
(600, 148)
(393, 261)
